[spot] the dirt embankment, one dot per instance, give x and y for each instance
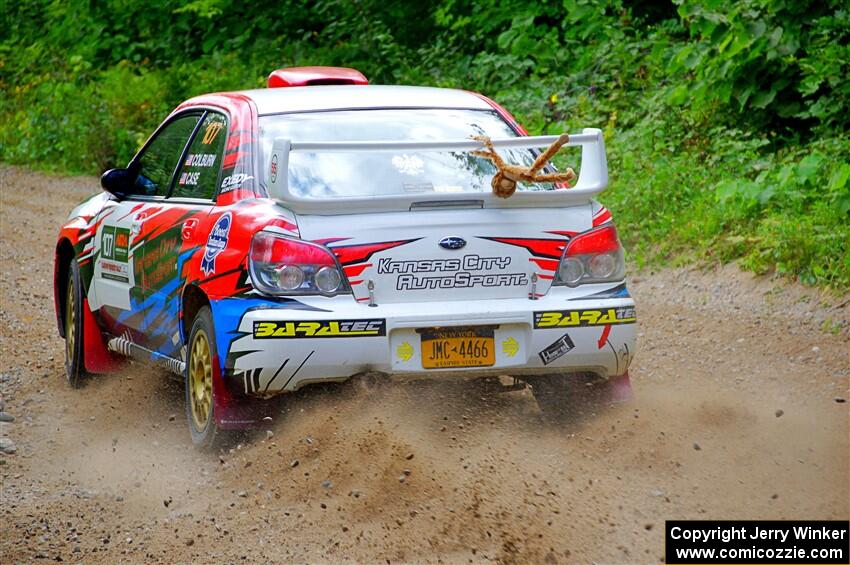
(735, 415)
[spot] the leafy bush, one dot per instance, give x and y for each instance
(726, 123)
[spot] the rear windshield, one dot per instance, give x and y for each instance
(358, 174)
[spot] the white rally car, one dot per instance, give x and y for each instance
(323, 228)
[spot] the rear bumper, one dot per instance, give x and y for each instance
(271, 349)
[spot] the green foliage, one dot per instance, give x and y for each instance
(784, 62)
(726, 122)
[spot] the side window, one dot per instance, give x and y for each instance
(199, 172)
(156, 165)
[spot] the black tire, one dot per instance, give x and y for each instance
(75, 367)
(564, 398)
(205, 433)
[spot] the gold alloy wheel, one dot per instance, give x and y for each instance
(200, 380)
(70, 320)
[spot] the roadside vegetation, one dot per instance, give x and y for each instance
(726, 122)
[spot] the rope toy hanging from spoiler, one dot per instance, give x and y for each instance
(505, 179)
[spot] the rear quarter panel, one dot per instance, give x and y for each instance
(79, 231)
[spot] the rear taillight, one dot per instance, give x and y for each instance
(282, 265)
(592, 257)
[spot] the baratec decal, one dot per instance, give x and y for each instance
(582, 318)
(323, 328)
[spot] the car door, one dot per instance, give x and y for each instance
(182, 234)
(127, 227)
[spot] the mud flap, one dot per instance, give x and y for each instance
(97, 358)
(617, 390)
(234, 412)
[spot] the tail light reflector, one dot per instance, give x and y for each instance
(592, 257)
(283, 265)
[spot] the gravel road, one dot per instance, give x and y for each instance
(740, 412)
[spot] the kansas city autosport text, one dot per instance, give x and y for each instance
(461, 277)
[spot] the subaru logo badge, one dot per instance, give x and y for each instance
(452, 242)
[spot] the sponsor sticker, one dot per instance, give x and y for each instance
(317, 329)
(115, 243)
(114, 271)
(216, 242)
(122, 244)
(273, 169)
(418, 274)
(558, 349)
(460, 280)
(234, 181)
(472, 262)
(582, 318)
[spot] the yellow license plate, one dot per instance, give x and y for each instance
(448, 348)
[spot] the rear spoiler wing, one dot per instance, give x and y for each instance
(592, 179)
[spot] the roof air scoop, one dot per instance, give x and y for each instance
(314, 76)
